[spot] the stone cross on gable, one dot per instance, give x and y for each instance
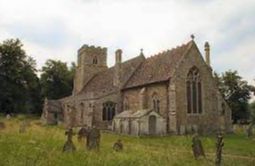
(141, 52)
(192, 36)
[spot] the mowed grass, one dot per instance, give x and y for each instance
(42, 145)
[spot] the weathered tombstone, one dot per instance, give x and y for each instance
(22, 127)
(219, 145)
(69, 146)
(197, 147)
(93, 139)
(82, 134)
(249, 130)
(118, 146)
(8, 116)
(182, 130)
(194, 129)
(2, 125)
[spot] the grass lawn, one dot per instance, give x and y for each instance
(42, 145)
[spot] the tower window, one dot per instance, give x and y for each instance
(194, 92)
(95, 60)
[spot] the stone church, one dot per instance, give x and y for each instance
(172, 92)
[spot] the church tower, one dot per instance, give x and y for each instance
(91, 60)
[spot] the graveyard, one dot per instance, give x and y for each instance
(42, 145)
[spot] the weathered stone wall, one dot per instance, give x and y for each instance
(52, 112)
(134, 99)
(209, 120)
(87, 110)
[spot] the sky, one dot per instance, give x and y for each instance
(56, 29)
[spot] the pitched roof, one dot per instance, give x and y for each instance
(157, 68)
(103, 81)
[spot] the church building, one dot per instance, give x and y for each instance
(172, 92)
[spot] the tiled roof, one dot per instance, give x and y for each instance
(136, 114)
(103, 81)
(53, 106)
(157, 68)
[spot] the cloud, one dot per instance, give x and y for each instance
(56, 29)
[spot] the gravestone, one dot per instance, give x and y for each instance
(194, 129)
(8, 116)
(189, 130)
(93, 139)
(22, 127)
(182, 130)
(69, 146)
(82, 134)
(2, 125)
(197, 147)
(219, 146)
(118, 146)
(249, 131)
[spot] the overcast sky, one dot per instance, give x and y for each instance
(57, 28)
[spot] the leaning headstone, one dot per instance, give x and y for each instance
(249, 130)
(219, 146)
(197, 147)
(93, 139)
(69, 146)
(82, 134)
(2, 125)
(118, 146)
(22, 127)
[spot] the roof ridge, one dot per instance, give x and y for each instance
(178, 47)
(136, 57)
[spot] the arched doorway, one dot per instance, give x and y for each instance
(152, 125)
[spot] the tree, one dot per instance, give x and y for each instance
(252, 112)
(56, 79)
(19, 84)
(236, 92)
(252, 119)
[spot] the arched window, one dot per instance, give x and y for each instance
(82, 112)
(108, 111)
(126, 103)
(194, 91)
(155, 102)
(95, 60)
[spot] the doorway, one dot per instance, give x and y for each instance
(152, 125)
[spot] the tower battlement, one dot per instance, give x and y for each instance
(92, 50)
